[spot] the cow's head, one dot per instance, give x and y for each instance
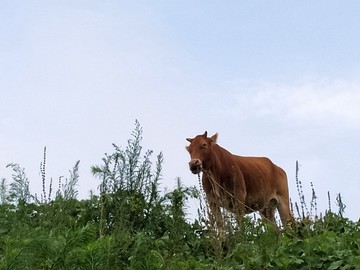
(200, 151)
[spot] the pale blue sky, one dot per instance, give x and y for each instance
(274, 78)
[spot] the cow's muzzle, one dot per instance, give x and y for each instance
(195, 166)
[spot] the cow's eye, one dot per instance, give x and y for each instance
(204, 145)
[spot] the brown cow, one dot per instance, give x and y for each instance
(240, 184)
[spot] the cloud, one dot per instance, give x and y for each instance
(317, 101)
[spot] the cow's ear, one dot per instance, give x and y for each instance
(205, 134)
(189, 140)
(214, 138)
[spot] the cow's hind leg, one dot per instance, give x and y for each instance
(284, 211)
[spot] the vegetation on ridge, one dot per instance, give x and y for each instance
(131, 224)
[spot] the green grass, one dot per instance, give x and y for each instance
(131, 224)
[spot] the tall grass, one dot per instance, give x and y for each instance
(305, 212)
(132, 224)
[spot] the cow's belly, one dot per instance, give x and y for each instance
(250, 204)
(253, 207)
(255, 204)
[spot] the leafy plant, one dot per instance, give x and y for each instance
(68, 190)
(3, 191)
(19, 188)
(129, 187)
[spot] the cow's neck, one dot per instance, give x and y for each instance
(217, 167)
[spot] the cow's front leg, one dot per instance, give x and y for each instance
(239, 195)
(215, 217)
(239, 210)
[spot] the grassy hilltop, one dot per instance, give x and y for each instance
(131, 224)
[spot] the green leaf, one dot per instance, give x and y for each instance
(335, 265)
